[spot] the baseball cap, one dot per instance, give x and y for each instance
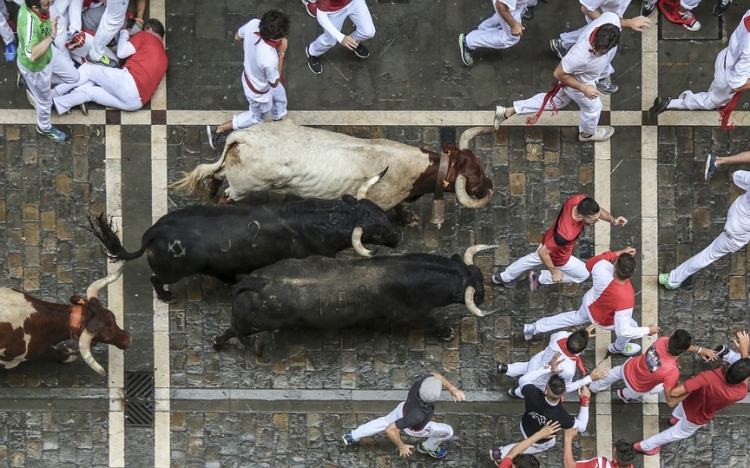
(430, 389)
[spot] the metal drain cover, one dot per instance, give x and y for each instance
(139, 399)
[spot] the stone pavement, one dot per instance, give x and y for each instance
(290, 407)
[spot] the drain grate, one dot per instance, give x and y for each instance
(139, 399)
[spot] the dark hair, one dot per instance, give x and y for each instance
(624, 452)
(33, 3)
(679, 342)
(737, 372)
(606, 37)
(625, 266)
(524, 460)
(588, 207)
(577, 341)
(274, 25)
(556, 386)
(154, 25)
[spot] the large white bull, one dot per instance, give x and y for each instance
(285, 158)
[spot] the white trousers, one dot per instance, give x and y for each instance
(435, 433)
(718, 94)
(359, 14)
(615, 374)
(59, 70)
(5, 32)
(732, 356)
(591, 109)
(682, 430)
(493, 33)
(574, 271)
(722, 245)
(67, 11)
(112, 22)
(534, 448)
(578, 317)
(258, 111)
(518, 369)
(109, 87)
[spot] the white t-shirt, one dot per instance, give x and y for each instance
(261, 62)
(738, 217)
(580, 60)
(617, 7)
(513, 6)
(738, 54)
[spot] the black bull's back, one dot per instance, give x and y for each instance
(321, 292)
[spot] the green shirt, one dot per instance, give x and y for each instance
(32, 31)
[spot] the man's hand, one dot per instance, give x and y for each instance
(621, 221)
(571, 434)
(457, 394)
(584, 392)
(555, 362)
(549, 429)
(590, 329)
(349, 43)
(405, 450)
(627, 250)
(708, 354)
(639, 23)
(53, 27)
(590, 91)
(598, 374)
(653, 330)
(517, 29)
(742, 342)
(557, 276)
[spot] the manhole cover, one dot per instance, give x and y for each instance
(139, 399)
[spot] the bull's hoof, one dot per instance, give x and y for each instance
(447, 334)
(68, 355)
(213, 186)
(216, 345)
(167, 296)
(225, 200)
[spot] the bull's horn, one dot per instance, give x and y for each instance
(84, 345)
(357, 243)
(465, 199)
(471, 251)
(469, 300)
(362, 192)
(470, 133)
(93, 290)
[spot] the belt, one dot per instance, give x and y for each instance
(250, 85)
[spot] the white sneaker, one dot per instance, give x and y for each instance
(630, 350)
(30, 98)
(500, 116)
(601, 134)
(528, 331)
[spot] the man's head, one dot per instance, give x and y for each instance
(679, 342)
(274, 25)
(577, 341)
(623, 453)
(40, 7)
(430, 389)
(738, 372)
(606, 37)
(625, 266)
(588, 209)
(155, 26)
(525, 460)
(555, 387)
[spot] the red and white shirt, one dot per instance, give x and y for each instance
(329, 6)
(710, 393)
(653, 367)
(566, 228)
(599, 462)
(607, 297)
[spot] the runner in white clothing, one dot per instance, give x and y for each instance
(736, 234)
(500, 31)
(565, 348)
(587, 61)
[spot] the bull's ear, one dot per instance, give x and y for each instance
(77, 300)
(456, 258)
(449, 147)
(349, 199)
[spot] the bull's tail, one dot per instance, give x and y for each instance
(107, 235)
(189, 182)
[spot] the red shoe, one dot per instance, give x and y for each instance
(637, 447)
(673, 421)
(311, 7)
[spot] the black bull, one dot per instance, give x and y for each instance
(326, 293)
(226, 241)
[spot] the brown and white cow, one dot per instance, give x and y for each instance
(282, 157)
(30, 327)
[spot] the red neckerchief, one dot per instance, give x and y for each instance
(274, 44)
(535, 118)
(43, 17)
(562, 344)
(591, 39)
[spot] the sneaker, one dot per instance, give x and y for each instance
(557, 47)
(528, 331)
(630, 350)
(103, 61)
(361, 51)
(638, 448)
(512, 392)
(311, 7)
(648, 8)
(528, 15)
(496, 455)
(660, 105)
(53, 134)
(498, 280)
(673, 421)
(664, 281)
(721, 6)
(213, 136)
(689, 21)
(11, 52)
(313, 63)
(606, 86)
(30, 98)
(721, 351)
(466, 56)
(621, 396)
(601, 134)
(439, 452)
(534, 281)
(84, 108)
(20, 81)
(711, 166)
(500, 116)
(502, 368)
(348, 439)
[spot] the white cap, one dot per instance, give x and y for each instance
(430, 389)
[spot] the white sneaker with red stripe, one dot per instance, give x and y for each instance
(689, 21)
